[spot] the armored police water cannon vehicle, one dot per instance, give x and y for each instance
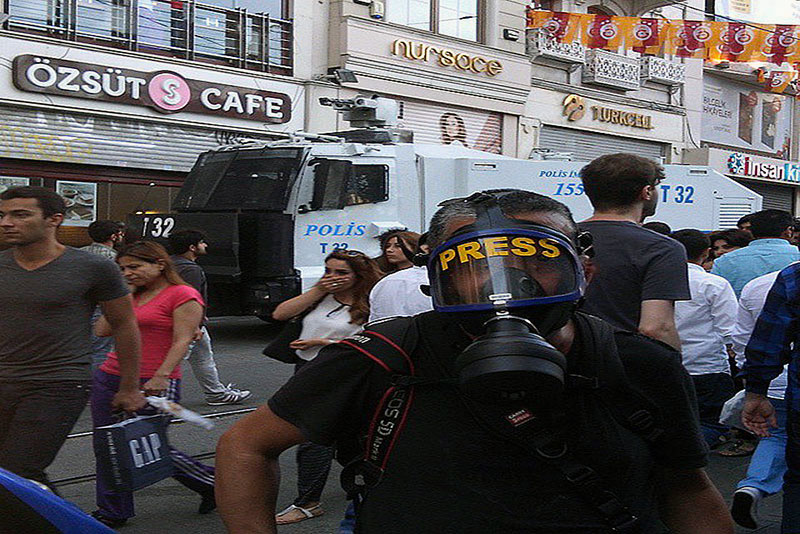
(273, 210)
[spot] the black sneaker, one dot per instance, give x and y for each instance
(108, 521)
(744, 507)
(208, 504)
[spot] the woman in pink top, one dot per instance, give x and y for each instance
(169, 313)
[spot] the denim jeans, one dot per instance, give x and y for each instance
(348, 523)
(768, 464)
(201, 358)
(713, 390)
(35, 419)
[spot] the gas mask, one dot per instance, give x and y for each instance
(519, 281)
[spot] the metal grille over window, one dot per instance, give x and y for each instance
(185, 29)
(731, 212)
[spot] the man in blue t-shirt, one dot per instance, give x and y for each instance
(770, 250)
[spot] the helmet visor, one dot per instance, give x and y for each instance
(512, 267)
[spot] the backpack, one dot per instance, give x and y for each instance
(390, 342)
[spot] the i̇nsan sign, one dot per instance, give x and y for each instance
(743, 165)
(164, 91)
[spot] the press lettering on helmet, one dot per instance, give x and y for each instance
(498, 246)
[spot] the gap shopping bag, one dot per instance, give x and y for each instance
(136, 451)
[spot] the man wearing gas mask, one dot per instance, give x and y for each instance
(504, 410)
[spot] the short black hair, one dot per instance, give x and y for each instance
(770, 223)
(744, 220)
(694, 241)
(101, 231)
(48, 200)
(511, 201)
(614, 181)
(659, 227)
(732, 236)
(181, 241)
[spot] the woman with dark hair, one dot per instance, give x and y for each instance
(335, 308)
(169, 313)
(397, 249)
(725, 241)
(453, 129)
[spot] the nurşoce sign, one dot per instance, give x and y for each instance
(164, 91)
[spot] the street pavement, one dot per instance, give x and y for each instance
(169, 508)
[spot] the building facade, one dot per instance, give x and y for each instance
(747, 133)
(111, 103)
(585, 103)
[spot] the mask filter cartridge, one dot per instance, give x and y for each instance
(511, 362)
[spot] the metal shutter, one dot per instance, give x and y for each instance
(585, 146)
(776, 197)
(73, 138)
(483, 130)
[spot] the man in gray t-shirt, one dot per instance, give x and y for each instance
(638, 274)
(47, 295)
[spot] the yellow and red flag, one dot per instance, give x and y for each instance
(647, 35)
(605, 31)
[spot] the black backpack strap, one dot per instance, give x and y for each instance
(536, 435)
(610, 383)
(377, 342)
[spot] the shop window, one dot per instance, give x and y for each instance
(339, 183)
(457, 18)
(245, 33)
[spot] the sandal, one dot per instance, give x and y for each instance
(295, 514)
(738, 447)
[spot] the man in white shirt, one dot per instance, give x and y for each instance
(768, 464)
(400, 293)
(705, 326)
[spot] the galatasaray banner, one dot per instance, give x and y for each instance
(715, 40)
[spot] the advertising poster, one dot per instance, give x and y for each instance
(739, 115)
(772, 12)
(479, 130)
(81, 199)
(7, 182)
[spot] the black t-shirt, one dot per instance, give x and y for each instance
(448, 474)
(633, 264)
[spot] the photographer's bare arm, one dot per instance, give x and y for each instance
(248, 474)
(690, 503)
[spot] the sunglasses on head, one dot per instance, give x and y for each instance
(351, 253)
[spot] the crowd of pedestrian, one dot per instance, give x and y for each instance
(509, 370)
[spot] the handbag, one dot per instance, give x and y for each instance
(278, 348)
(136, 451)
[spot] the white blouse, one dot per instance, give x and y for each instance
(329, 320)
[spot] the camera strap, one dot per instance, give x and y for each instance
(517, 425)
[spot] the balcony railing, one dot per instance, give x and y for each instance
(663, 71)
(177, 28)
(611, 70)
(540, 44)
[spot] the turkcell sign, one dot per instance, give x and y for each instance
(743, 165)
(164, 91)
